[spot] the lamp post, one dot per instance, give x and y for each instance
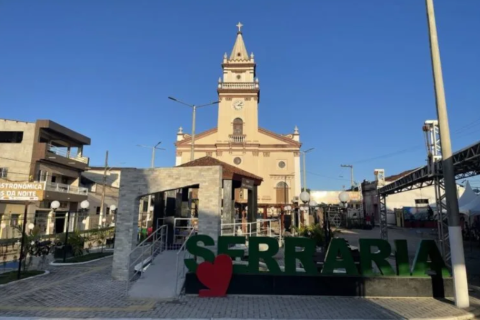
(152, 165)
(313, 205)
(194, 110)
(19, 272)
(113, 209)
(305, 167)
(460, 281)
(305, 198)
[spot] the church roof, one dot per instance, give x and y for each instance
(239, 51)
(229, 172)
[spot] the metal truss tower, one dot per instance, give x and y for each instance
(434, 159)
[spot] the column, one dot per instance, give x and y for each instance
(210, 197)
(228, 203)
(252, 208)
(126, 233)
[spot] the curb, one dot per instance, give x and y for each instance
(17, 281)
(60, 264)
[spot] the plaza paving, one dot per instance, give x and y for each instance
(87, 291)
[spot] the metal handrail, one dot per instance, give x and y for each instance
(182, 248)
(161, 232)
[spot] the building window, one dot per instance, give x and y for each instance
(282, 164)
(238, 126)
(3, 172)
(237, 160)
(145, 206)
(98, 211)
(282, 192)
(11, 136)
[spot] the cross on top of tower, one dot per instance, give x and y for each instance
(239, 26)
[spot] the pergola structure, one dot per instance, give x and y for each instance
(233, 178)
(466, 164)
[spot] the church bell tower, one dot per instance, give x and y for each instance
(239, 95)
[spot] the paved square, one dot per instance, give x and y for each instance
(87, 291)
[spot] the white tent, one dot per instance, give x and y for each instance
(467, 197)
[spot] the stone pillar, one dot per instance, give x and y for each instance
(126, 230)
(228, 201)
(252, 205)
(210, 203)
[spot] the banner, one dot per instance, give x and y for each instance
(22, 191)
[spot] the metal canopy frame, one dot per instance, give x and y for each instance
(466, 163)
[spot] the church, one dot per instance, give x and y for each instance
(238, 140)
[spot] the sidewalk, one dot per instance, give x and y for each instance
(87, 291)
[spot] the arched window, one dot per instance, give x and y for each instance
(238, 126)
(282, 193)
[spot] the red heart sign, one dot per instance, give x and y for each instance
(216, 277)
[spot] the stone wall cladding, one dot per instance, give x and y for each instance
(136, 183)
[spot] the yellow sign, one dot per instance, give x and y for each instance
(21, 191)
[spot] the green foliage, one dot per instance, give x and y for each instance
(75, 239)
(314, 232)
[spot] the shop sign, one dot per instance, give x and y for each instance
(21, 191)
(216, 271)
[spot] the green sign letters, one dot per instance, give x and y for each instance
(338, 256)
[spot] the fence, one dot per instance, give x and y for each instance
(49, 229)
(182, 254)
(145, 252)
(260, 228)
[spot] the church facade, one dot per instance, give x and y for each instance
(238, 140)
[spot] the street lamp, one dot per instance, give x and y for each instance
(84, 205)
(194, 109)
(305, 167)
(344, 198)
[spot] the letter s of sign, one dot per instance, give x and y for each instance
(197, 251)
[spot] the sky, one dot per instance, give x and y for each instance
(354, 76)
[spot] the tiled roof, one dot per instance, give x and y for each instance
(229, 171)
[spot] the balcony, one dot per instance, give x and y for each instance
(66, 153)
(238, 85)
(237, 138)
(65, 188)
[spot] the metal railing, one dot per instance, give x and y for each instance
(181, 271)
(64, 152)
(237, 138)
(61, 187)
(145, 252)
(238, 85)
(260, 228)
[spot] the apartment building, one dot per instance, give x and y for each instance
(48, 156)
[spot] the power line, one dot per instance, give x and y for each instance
(326, 177)
(460, 132)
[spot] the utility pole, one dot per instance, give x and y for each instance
(102, 204)
(152, 165)
(351, 173)
(460, 282)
